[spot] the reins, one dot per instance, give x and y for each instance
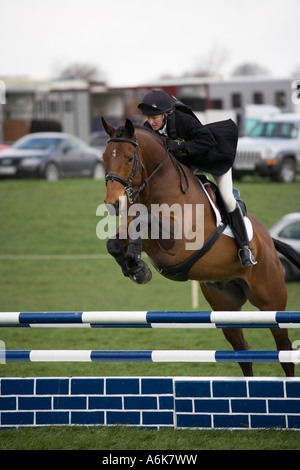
(133, 193)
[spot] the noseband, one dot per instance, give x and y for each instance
(132, 194)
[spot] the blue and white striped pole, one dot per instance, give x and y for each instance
(153, 319)
(151, 356)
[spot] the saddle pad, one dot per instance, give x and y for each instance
(227, 230)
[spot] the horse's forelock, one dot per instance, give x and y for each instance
(120, 131)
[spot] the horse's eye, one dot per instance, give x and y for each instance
(130, 159)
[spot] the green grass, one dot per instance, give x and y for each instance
(121, 438)
(40, 218)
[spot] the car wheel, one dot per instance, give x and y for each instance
(52, 172)
(287, 171)
(99, 171)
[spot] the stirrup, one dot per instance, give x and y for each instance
(246, 256)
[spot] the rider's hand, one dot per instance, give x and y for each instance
(175, 145)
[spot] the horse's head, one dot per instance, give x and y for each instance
(122, 161)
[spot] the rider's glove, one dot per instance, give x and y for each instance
(175, 145)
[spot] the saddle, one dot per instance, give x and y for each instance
(180, 272)
(216, 197)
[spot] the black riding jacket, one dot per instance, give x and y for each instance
(210, 148)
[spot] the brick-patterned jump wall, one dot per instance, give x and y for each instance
(151, 402)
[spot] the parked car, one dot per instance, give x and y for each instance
(253, 113)
(3, 147)
(52, 155)
(98, 140)
(272, 148)
(287, 230)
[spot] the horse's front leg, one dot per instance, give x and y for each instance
(127, 253)
(138, 270)
(117, 249)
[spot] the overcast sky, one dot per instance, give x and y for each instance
(137, 41)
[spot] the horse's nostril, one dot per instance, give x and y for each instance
(113, 208)
(116, 205)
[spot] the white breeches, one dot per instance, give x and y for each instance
(224, 183)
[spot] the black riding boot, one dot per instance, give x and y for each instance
(240, 232)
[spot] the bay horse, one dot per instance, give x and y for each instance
(139, 167)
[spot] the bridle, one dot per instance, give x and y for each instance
(131, 193)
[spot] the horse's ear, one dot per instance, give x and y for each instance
(108, 128)
(129, 127)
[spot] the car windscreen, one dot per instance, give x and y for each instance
(37, 143)
(99, 140)
(275, 130)
(291, 231)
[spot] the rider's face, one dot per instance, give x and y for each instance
(156, 122)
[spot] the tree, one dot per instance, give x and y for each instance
(210, 63)
(82, 71)
(250, 68)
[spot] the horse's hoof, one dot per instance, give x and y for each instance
(141, 274)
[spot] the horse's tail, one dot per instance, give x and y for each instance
(287, 251)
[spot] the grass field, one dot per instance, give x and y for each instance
(47, 232)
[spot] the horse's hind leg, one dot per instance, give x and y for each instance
(272, 295)
(283, 344)
(222, 298)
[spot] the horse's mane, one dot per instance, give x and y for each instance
(121, 131)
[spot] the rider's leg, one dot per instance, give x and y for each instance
(225, 186)
(237, 223)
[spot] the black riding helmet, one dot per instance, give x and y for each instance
(155, 102)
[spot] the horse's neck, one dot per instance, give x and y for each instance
(153, 154)
(171, 180)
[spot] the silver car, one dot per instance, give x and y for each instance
(272, 148)
(52, 155)
(98, 140)
(287, 230)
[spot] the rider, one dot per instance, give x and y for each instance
(187, 138)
